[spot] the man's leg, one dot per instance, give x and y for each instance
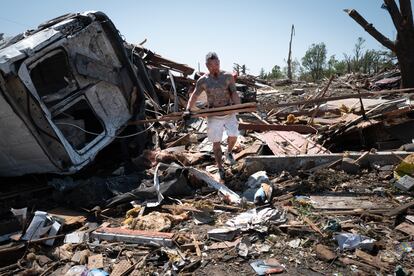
(231, 126)
(215, 129)
(231, 141)
(217, 154)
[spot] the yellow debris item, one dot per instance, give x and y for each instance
(405, 167)
(132, 213)
(291, 119)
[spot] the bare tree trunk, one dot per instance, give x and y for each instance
(405, 55)
(404, 44)
(289, 60)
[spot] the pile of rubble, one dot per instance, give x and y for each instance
(323, 182)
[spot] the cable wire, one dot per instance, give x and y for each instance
(98, 134)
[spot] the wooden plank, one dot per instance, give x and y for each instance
(371, 260)
(200, 115)
(406, 228)
(346, 203)
(69, 217)
(354, 212)
(253, 149)
(225, 108)
(216, 109)
(325, 89)
(324, 253)
(290, 143)
(225, 112)
(346, 96)
(178, 141)
(303, 129)
(224, 245)
(134, 236)
(283, 114)
(197, 247)
(363, 266)
(400, 209)
(276, 164)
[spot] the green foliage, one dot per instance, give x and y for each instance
(315, 64)
(240, 69)
(295, 67)
(276, 73)
(369, 61)
(262, 74)
(314, 61)
(236, 68)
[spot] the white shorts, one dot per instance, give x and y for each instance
(217, 124)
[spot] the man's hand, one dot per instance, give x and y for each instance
(186, 115)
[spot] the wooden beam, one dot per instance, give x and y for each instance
(275, 164)
(394, 13)
(369, 28)
(219, 111)
(325, 89)
(225, 108)
(303, 129)
(400, 209)
(347, 96)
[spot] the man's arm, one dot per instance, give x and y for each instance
(233, 91)
(193, 97)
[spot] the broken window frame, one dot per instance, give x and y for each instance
(25, 76)
(69, 87)
(65, 106)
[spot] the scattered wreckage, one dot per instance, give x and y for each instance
(323, 182)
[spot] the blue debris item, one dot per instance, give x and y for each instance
(405, 247)
(349, 241)
(97, 272)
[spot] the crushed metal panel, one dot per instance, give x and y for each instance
(67, 117)
(25, 47)
(19, 151)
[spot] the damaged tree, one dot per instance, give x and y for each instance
(289, 61)
(402, 18)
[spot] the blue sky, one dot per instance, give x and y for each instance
(255, 33)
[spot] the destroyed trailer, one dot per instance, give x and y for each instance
(66, 90)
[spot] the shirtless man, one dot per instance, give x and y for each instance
(221, 91)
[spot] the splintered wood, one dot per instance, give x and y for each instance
(217, 111)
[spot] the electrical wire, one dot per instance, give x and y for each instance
(97, 134)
